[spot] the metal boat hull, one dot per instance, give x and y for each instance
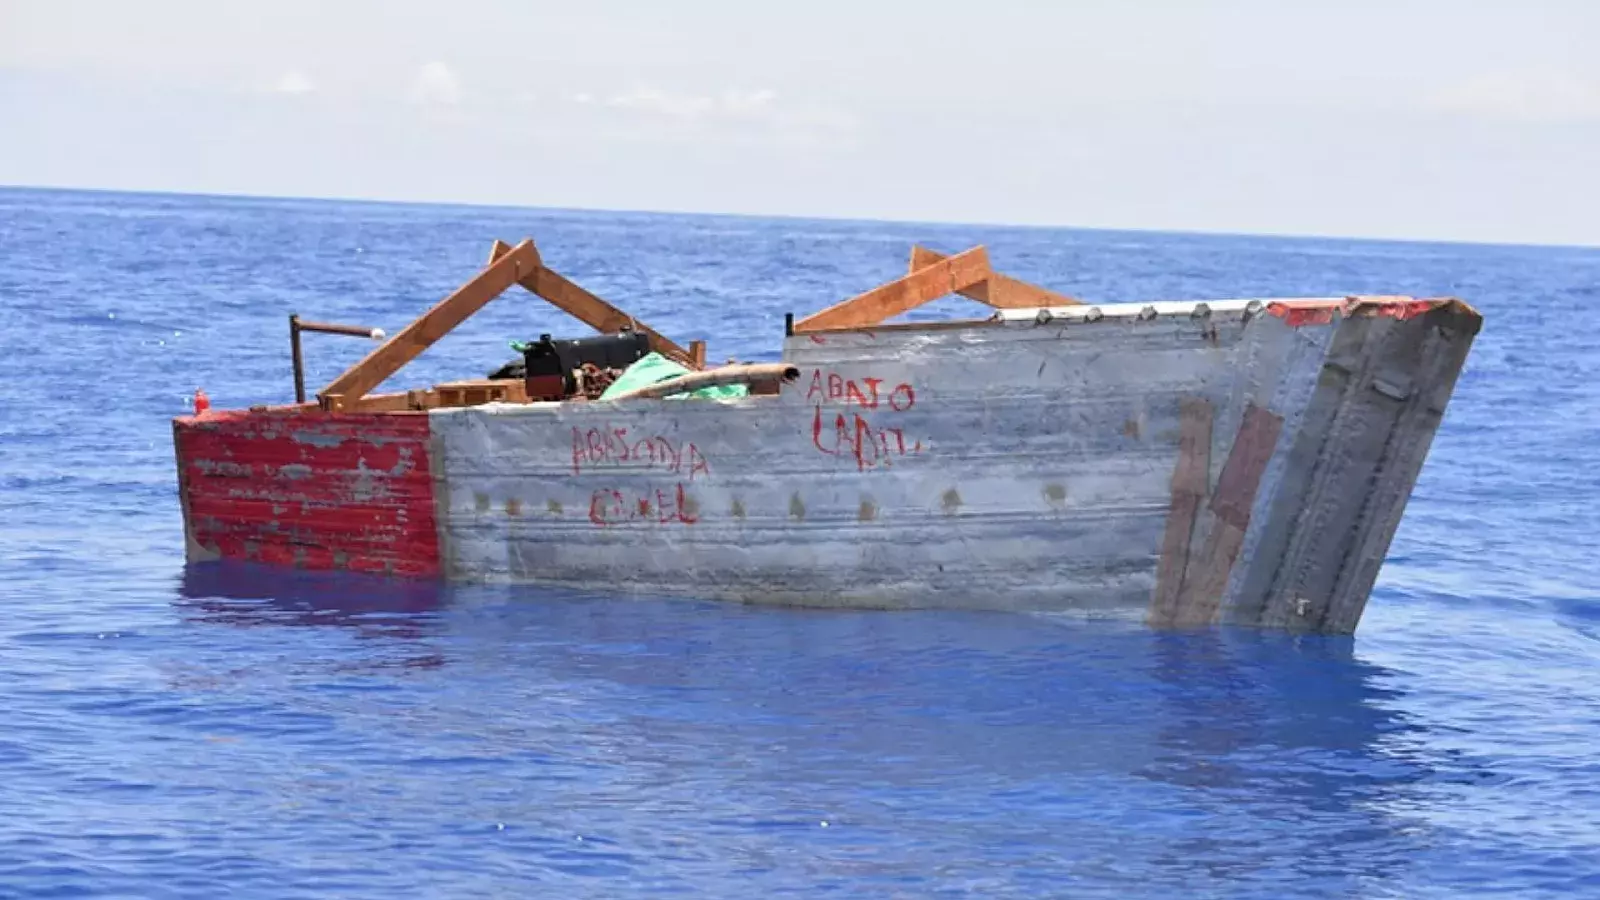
(1240, 461)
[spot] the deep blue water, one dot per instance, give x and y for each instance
(188, 733)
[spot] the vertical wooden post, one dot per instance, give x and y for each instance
(1191, 482)
(697, 354)
(299, 365)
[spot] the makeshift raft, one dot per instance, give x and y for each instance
(1188, 463)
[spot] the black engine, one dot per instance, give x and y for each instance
(559, 369)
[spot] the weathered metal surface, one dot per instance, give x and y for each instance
(1030, 462)
(1189, 463)
(314, 490)
(984, 466)
(1344, 480)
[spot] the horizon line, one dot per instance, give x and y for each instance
(386, 201)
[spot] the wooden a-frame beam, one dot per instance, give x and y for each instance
(954, 274)
(506, 270)
(571, 298)
(1000, 291)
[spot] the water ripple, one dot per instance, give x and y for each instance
(183, 731)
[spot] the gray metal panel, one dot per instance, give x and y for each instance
(1349, 469)
(1021, 463)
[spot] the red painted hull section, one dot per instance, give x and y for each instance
(346, 491)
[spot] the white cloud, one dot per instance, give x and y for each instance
(748, 117)
(732, 104)
(1540, 96)
(294, 82)
(652, 100)
(436, 84)
(746, 103)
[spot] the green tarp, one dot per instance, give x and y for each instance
(653, 368)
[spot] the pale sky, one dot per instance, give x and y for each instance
(1428, 119)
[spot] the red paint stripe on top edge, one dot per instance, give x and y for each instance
(1402, 310)
(319, 491)
(1297, 313)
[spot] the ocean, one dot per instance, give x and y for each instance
(240, 731)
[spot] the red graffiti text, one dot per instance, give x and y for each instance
(615, 447)
(850, 432)
(657, 506)
(867, 393)
(856, 437)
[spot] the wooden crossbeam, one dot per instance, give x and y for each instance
(506, 270)
(1000, 291)
(589, 309)
(951, 275)
(597, 313)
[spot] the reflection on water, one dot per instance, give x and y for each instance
(241, 593)
(245, 595)
(1221, 755)
(1294, 730)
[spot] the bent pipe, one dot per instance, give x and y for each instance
(756, 373)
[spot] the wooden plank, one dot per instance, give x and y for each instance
(473, 392)
(1203, 586)
(1000, 291)
(397, 402)
(596, 313)
(1190, 482)
(591, 310)
(1174, 561)
(1206, 583)
(1241, 473)
(434, 324)
(948, 276)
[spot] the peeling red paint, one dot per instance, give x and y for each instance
(1296, 313)
(336, 491)
(1398, 309)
